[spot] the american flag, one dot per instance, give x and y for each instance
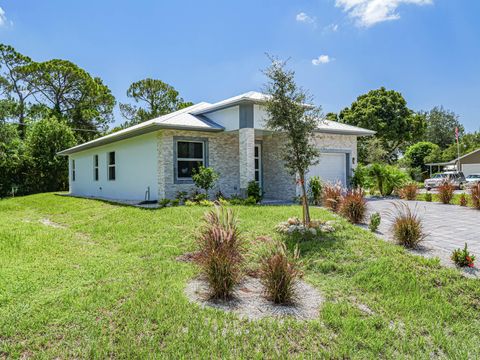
(456, 133)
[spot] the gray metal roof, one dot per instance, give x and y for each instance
(193, 118)
(181, 120)
(334, 127)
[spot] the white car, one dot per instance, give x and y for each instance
(456, 178)
(472, 179)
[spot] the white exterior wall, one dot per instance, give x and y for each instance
(259, 116)
(136, 168)
(228, 118)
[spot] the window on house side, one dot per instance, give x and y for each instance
(73, 170)
(190, 156)
(111, 166)
(95, 167)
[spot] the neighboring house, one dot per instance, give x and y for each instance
(469, 164)
(155, 159)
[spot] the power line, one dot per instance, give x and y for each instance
(17, 123)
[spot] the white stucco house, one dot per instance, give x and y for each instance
(154, 160)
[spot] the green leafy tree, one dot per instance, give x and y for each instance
(417, 155)
(155, 97)
(205, 178)
(468, 143)
(11, 160)
(372, 150)
(331, 116)
(13, 86)
(441, 124)
(386, 112)
(387, 178)
(47, 170)
(290, 112)
(73, 94)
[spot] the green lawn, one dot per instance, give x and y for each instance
(455, 200)
(107, 285)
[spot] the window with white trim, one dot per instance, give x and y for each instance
(95, 168)
(111, 165)
(190, 156)
(73, 170)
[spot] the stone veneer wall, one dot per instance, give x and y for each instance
(247, 158)
(339, 142)
(278, 184)
(223, 156)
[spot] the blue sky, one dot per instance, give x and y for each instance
(429, 50)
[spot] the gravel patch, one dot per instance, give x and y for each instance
(48, 222)
(250, 303)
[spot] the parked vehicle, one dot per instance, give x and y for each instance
(472, 179)
(455, 177)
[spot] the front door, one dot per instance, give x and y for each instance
(258, 165)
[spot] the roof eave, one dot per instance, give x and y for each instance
(346, 132)
(141, 131)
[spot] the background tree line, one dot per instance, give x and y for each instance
(404, 137)
(49, 106)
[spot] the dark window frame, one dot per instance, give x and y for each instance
(96, 172)
(74, 171)
(111, 166)
(176, 159)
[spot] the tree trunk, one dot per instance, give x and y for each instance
(306, 210)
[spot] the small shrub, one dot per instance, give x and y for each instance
(407, 227)
(475, 196)
(219, 195)
(235, 200)
(200, 197)
(206, 203)
(354, 206)
(221, 251)
(332, 196)
(254, 191)
(445, 192)
(375, 220)
(428, 196)
(163, 202)
(463, 200)
(279, 274)
(223, 202)
(190, 203)
(174, 202)
(250, 201)
(461, 257)
(409, 191)
(315, 190)
(181, 196)
(205, 178)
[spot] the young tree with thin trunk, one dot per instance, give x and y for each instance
(290, 112)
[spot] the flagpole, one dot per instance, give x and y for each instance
(458, 150)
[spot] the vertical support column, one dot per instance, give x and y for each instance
(247, 158)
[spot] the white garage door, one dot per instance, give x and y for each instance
(470, 169)
(331, 168)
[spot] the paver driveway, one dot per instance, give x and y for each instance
(448, 226)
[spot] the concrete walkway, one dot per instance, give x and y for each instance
(448, 227)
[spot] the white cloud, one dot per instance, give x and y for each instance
(371, 12)
(322, 59)
(303, 17)
(3, 18)
(332, 27)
